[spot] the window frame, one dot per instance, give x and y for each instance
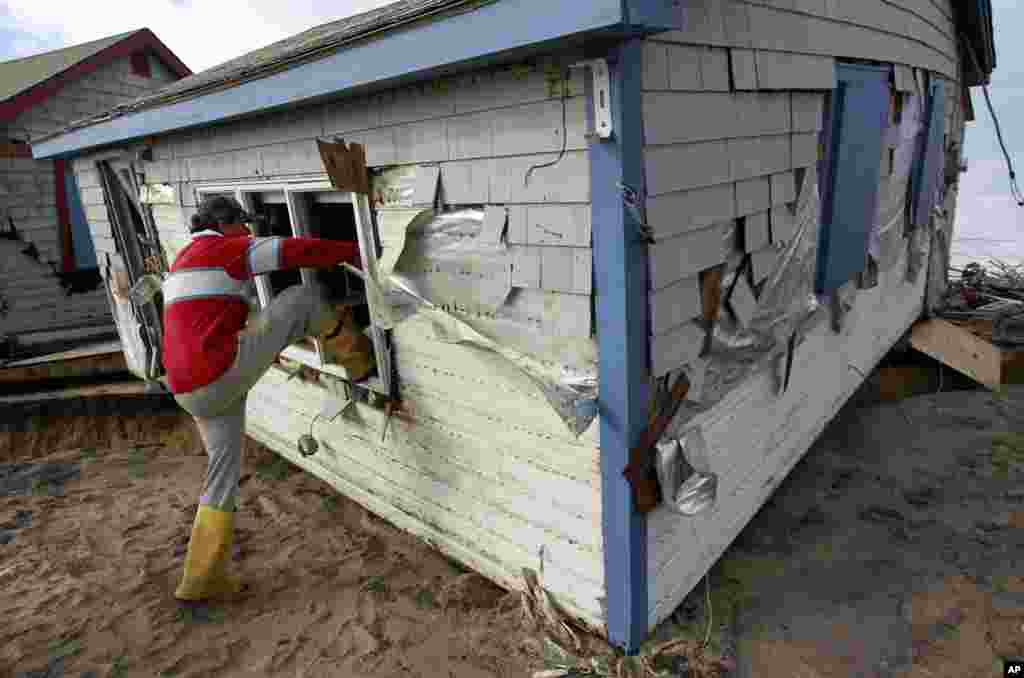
(366, 229)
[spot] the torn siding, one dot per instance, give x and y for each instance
(483, 465)
(729, 164)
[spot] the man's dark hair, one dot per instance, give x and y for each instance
(216, 211)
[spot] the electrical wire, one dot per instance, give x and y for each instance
(1014, 187)
(565, 134)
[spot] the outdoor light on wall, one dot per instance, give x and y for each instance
(687, 484)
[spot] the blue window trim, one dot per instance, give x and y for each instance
(486, 34)
(863, 91)
(85, 250)
(620, 273)
(928, 161)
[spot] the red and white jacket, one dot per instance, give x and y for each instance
(205, 303)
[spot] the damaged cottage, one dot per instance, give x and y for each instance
(713, 211)
(50, 293)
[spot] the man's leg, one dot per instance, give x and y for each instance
(209, 549)
(297, 312)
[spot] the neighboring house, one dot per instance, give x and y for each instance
(595, 198)
(49, 291)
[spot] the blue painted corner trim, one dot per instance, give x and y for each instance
(418, 52)
(620, 272)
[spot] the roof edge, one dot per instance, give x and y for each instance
(143, 38)
(462, 38)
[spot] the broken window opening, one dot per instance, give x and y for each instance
(317, 211)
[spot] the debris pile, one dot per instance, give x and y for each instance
(988, 301)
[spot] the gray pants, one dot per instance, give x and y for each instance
(219, 408)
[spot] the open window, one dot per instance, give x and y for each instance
(316, 210)
(855, 126)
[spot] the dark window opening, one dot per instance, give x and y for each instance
(277, 223)
(337, 221)
(140, 65)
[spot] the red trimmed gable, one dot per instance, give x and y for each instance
(141, 42)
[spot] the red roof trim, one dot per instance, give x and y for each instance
(140, 40)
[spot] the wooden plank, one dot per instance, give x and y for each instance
(525, 266)
(757, 233)
(655, 65)
(752, 196)
(960, 349)
(128, 388)
(562, 225)
(714, 69)
(684, 68)
(758, 156)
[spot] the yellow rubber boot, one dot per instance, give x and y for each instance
(209, 550)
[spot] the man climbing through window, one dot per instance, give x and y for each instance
(214, 353)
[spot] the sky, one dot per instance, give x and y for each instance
(204, 34)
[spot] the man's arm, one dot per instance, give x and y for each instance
(264, 255)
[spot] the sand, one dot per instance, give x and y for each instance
(87, 575)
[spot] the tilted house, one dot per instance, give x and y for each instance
(49, 286)
(570, 200)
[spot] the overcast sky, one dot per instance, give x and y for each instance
(204, 34)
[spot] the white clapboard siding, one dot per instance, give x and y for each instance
(755, 437)
(402, 471)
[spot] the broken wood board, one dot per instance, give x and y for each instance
(959, 349)
(70, 368)
(345, 165)
(118, 389)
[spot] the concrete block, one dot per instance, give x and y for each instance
(714, 69)
(788, 71)
(684, 63)
(684, 166)
(673, 214)
(655, 66)
(565, 225)
(758, 156)
(744, 69)
(757, 232)
(675, 304)
(526, 262)
(470, 136)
